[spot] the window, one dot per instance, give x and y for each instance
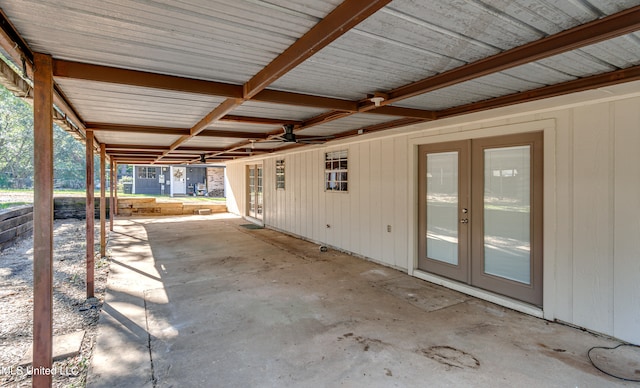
(147, 172)
(280, 174)
(335, 171)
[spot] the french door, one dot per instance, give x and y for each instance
(481, 213)
(255, 198)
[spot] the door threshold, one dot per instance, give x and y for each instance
(480, 294)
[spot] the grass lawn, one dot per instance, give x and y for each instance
(174, 199)
(6, 205)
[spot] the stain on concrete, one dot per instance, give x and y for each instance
(421, 294)
(451, 357)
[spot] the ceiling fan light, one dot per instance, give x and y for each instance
(377, 98)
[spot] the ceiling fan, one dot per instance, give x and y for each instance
(289, 137)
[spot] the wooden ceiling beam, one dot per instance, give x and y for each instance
(415, 115)
(144, 161)
(143, 148)
(62, 102)
(339, 21)
(307, 100)
(114, 75)
(98, 127)
(134, 152)
(220, 111)
(137, 147)
(22, 55)
(323, 118)
(258, 120)
(587, 83)
(399, 111)
(15, 46)
(99, 73)
(609, 27)
(232, 134)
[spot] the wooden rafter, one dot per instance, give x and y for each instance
(227, 106)
(586, 83)
(14, 45)
(109, 127)
(102, 127)
(580, 36)
(20, 52)
(343, 18)
(84, 71)
(258, 120)
(583, 35)
(399, 111)
(308, 100)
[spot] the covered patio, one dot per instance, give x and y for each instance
(323, 113)
(254, 307)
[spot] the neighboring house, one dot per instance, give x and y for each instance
(179, 180)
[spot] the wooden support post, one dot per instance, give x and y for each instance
(43, 220)
(112, 201)
(90, 214)
(103, 202)
(115, 206)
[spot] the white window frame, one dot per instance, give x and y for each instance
(143, 173)
(336, 171)
(280, 174)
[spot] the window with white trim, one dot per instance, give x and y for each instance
(280, 174)
(336, 171)
(147, 172)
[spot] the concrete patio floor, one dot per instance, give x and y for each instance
(202, 301)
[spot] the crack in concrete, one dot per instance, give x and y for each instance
(146, 319)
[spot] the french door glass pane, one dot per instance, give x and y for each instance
(507, 205)
(442, 207)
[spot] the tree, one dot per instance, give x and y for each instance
(16, 141)
(16, 148)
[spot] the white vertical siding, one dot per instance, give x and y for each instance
(387, 199)
(401, 205)
(563, 270)
(374, 187)
(592, 218)
(626, 243)
(592, 214)
(362, 171)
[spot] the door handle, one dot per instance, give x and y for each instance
(464, 221)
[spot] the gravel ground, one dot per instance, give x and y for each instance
(71, 313)
(16, 196)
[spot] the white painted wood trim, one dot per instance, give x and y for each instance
(481, 294)
(171, 180)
